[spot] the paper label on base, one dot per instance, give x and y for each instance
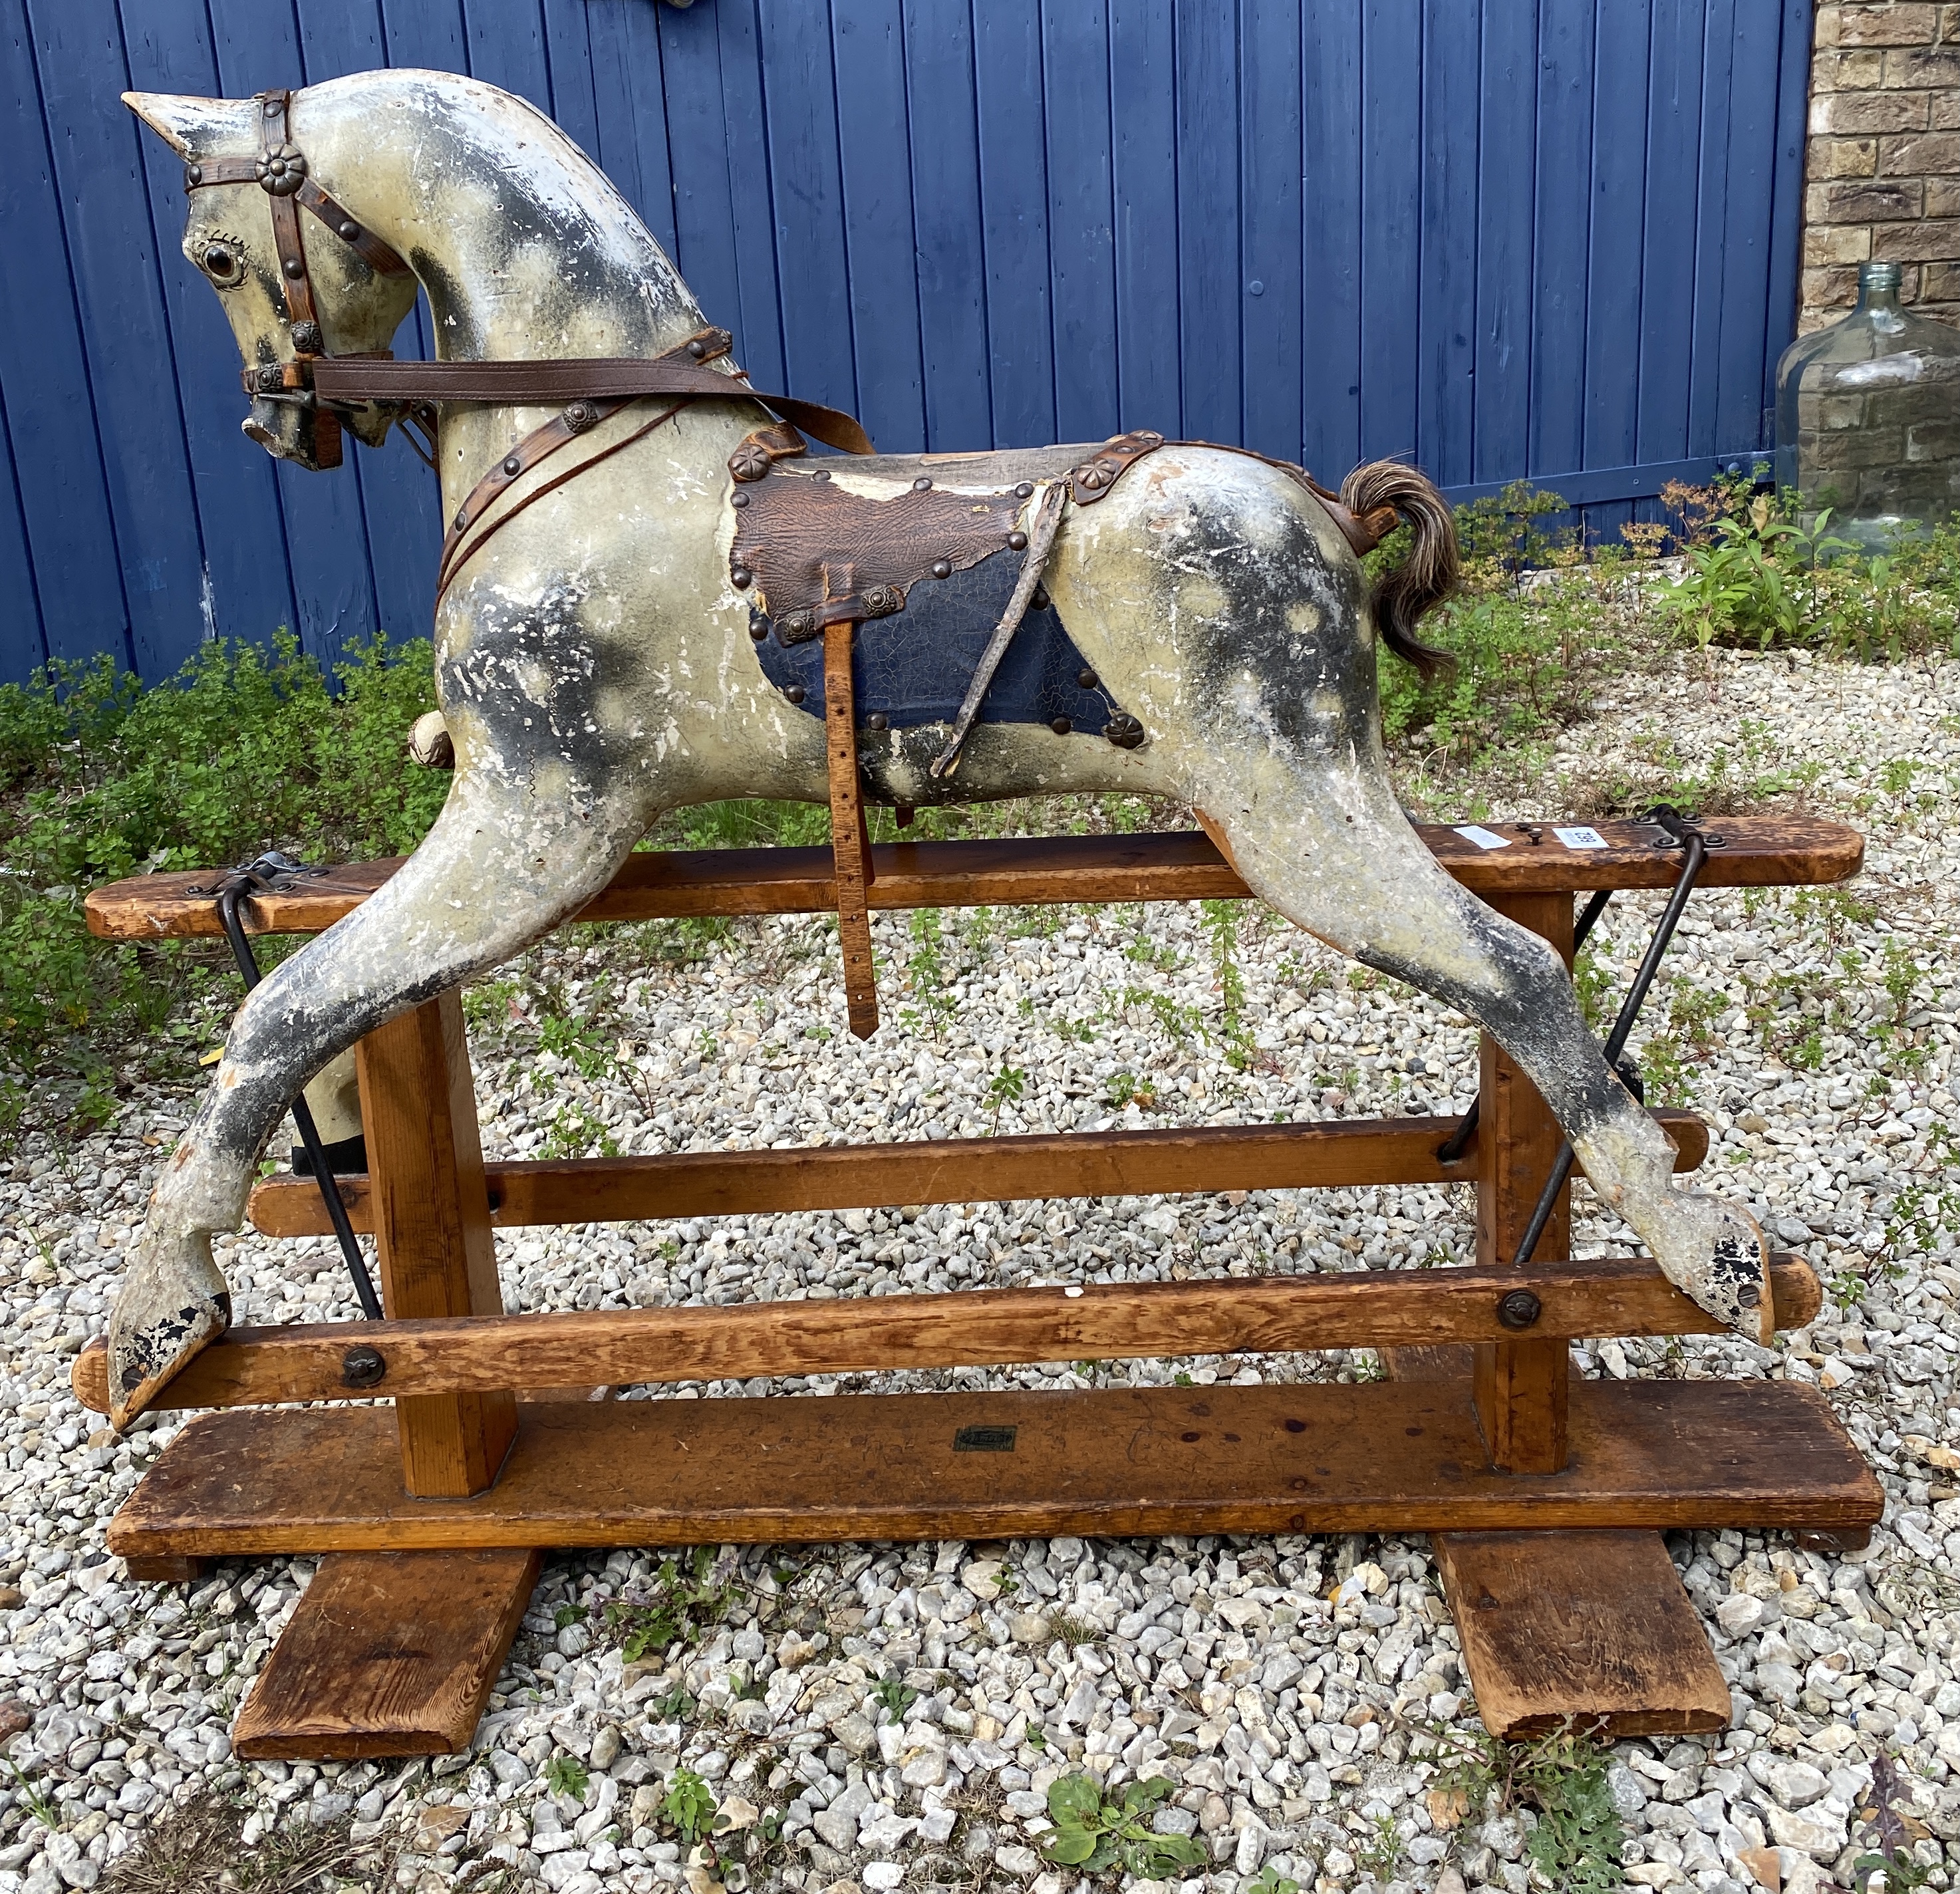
(1582, 838)
(1484, 838)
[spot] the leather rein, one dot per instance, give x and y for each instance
(588, 388)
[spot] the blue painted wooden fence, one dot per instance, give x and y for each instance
(1548, 237)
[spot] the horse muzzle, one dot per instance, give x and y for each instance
(293, 428)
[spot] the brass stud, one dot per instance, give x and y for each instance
(461, 521)
(1038, 600)
(1087, 680)
(795, 692)
(738, 499)
(922, 484)
(347, 228)
(1019, 541)
(193, 174)
(295, 268)
(759, 629)
(877, 721)
(1062, 726)
(512, 465)
(697, 348)
(1025, 491)
(740, 577)
(942, 569)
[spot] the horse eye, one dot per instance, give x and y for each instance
(221, 265)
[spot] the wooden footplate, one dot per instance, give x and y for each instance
(432, 1499)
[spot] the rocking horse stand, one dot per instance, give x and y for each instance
(484, 1439)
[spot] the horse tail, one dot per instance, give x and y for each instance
(1429, 572)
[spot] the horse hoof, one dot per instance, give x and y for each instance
(174, 1301)
(1728, 1272)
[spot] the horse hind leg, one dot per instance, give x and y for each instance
(502, 865)
(1328, 846)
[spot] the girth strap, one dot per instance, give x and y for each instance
(849, 837)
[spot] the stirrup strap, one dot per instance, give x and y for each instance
(850, 839)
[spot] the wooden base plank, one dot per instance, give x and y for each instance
(388, 1654)
(1593, 1628)
(969, 1327)
(1380, 1457)
(952, 1170)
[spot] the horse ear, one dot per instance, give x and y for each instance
(194, 128)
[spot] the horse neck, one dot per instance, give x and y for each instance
(525, 250)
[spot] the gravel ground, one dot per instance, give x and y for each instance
(867, 1716)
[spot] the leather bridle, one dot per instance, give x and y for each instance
(280, 170)
(315, 379)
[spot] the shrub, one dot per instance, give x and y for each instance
(102, 777)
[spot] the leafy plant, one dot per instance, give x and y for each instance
(1269, 1880)
(1381, 1854)
(896, 1695)
(1579, 1839)
(684, 1601)
(566, 1775)
(1889, 1849)
(1007, 1087)
(1096, 1833)
(689, 1804)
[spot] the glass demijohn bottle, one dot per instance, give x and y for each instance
(1868, 419)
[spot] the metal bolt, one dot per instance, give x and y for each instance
(697, 349)
(193, 174)
(921, 484)
(738, 499)
(1062, 726)
(740, 577)
(349, 228)
(759, 629)
(795, 692)
(877, 721)
(1039, 600)
(1025, 490)
(942, 569)
(462, 519)
(362, 1367)
(294, 268)
(307, 337)
(512, 465)
(1519, 1309)
(1019, 541)
(1087, 680)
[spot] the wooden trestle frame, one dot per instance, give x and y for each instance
(434, 1484)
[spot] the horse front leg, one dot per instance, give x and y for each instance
(511, 854)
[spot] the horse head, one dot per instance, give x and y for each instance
(297, 275)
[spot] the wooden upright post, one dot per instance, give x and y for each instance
(432, 1232)
(1522, 1386)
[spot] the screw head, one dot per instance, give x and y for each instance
(1519, 1309)
(362, 1367)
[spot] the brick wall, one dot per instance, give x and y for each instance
(1882, 175)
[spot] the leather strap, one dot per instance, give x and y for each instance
(577, 417)
(1041, 529)
(552, 384)
(453, 561)
(850, 838)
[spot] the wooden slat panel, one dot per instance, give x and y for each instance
(1762, 852)
(1379, 1457)
(951, 1170)
(387, 1654)
(1095, 1322)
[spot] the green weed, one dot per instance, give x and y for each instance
(685, 1599)
(1099, 1833)
(1579, 1839)
(566, 1775)
(689, 1804)
(896, 1695)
